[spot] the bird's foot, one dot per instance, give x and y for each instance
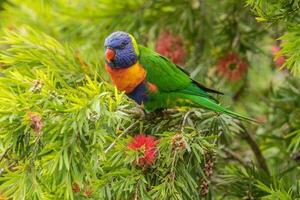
(159, 112)
(142, 111)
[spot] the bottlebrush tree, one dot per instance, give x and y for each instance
(67, 133)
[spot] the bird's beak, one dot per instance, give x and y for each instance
(110, 54)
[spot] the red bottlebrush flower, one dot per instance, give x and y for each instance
(171, 46)
(232, 67)
(75, 187)
(279, 60)
(36, 122)
(147, 145)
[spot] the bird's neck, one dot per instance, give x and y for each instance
(127, 79)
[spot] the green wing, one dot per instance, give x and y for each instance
(164, 74)
(200, 85)
(167, 76)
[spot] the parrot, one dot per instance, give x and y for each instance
(152, 80)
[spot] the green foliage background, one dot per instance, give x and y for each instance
(52, 66)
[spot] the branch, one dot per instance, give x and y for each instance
(255, 148)
(167, 113)
(140, 114)
(245, 134)
(124, 132)
(184, 120)
(5, 153)
(234, 156)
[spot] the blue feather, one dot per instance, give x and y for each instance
(139, 94)
(121, 43)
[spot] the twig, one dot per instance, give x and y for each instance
(5, 153)
(240, 91)
(234, 156)
(136, 190)
(282, 173)
(255, 148)
(124, 132)
(184, 120)
(169, 112)
(140, 115)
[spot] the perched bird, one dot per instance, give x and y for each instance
(153, 81)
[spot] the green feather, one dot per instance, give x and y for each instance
(166, 76)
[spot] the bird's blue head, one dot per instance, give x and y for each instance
(121, 50)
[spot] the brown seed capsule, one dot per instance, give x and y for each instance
(178, 142)
(75, 187)
(88, 192)
(204, 188)
(208, 168)
(37, 86)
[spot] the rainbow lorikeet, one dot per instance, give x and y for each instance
(152, 80)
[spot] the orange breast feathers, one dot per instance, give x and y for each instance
(127, 79)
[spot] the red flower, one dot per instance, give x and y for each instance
(232, 67)
(279, 60)
(145, 144)
(171, 46)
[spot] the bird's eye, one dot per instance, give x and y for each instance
(122, 46)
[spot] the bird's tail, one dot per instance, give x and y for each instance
(211, 105)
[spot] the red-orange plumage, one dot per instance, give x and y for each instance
(127, 79)
(152, 87)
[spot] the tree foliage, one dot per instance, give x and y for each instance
(285, 15)
(65, 130)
